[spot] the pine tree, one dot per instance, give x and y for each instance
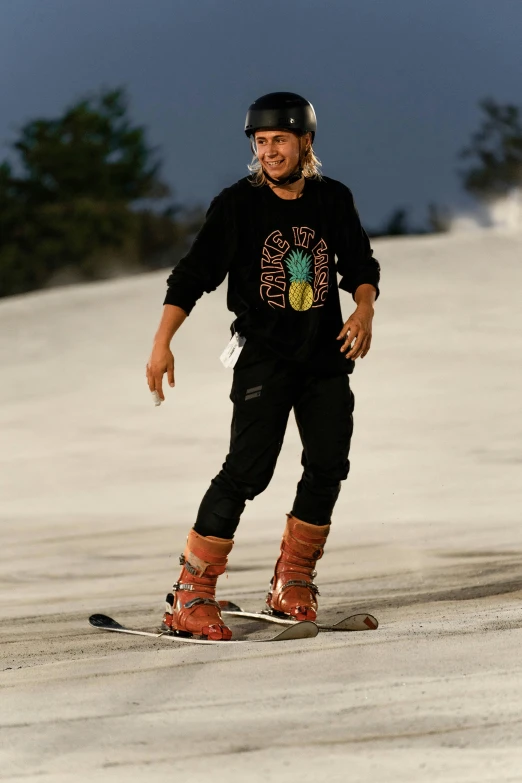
(70, 206)
(496, 149)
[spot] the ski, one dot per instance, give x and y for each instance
(354, 622)
(304, 630)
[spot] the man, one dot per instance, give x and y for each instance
(282, 235)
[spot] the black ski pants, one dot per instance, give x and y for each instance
(264, 391)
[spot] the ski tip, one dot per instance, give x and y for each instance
(371, 622)
(102, 621)
(228, 606)
(357, 622)
(303, 630)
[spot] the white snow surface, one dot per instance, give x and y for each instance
(98, 488)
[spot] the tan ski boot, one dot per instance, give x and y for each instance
(292, 591)
(192, 608)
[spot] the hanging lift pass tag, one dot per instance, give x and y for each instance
(231, 353)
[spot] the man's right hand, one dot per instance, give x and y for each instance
(161, 361)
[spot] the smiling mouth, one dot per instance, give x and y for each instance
(274, 164)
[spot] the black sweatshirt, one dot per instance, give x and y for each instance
(282, 258)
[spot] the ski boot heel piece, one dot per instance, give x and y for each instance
(292, 590)
(192, 609)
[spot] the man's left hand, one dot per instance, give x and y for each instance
(357, 332)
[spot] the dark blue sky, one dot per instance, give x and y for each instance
(395, 83)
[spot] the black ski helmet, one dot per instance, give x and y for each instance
(281, 110)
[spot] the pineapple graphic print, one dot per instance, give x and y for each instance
(299, 265)
(294, 270)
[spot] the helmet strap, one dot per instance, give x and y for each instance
(293, 177)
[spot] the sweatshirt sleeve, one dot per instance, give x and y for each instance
(355, 261)
(206, 264)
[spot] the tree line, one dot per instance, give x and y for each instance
(73, 208)
(68, 211)
(494, 171)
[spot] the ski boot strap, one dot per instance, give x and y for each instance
(182, 586)
(200, 602)
(301, 583)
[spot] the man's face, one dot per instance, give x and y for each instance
(278, 152)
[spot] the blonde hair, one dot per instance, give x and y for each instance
(308, 161)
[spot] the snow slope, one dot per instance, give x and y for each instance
(98, 489)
